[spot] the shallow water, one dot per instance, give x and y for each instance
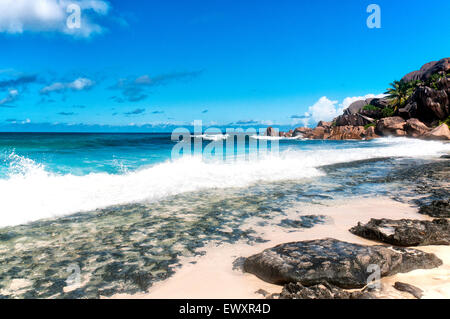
(126, 246)
(125, 249)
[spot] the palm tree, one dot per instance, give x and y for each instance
(399, 92)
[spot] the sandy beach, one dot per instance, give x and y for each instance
(212, 275)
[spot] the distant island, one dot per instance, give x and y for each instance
(417, 106)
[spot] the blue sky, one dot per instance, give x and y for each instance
(153, 65)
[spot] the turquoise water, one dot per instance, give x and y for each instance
(81, 154)
(120, 209)
(54, 175)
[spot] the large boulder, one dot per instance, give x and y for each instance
(301, 131)
(355, 107)
(319, 133)
(347, 133)
(431, 104)
(428, 104)
(370, 133)
(415, 128)
(352, 120)
(324, 124)
(343, 264)
(391, 126)
(427, 70)
(270, 131)
(405, 232)
(441, 132)
(409, 110)
(381, 103)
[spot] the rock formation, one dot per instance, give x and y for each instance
(416, 292)
(424, 114)
(338, 263)
(415, 128)
(437, 209)
(427, 70)
(389, 126)
(441, 132)
(405, 232)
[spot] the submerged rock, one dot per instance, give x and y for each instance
(438, 208)
(321, 291)
(416, 292)
(339, 263)
(405, 232)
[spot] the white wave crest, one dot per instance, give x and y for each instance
(31, 193)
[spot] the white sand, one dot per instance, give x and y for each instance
(212, 275)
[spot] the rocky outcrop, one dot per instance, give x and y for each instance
(301, 131)
(380, 103)
(270, 131)
(428, 104)
(319, 133)
(348, 132)
(339, 263)
(427, 70)
(324, 124)
(391, 126)
(441, 132)
(352, 133)
(437, 209)
(416, 292)
(353, 120)
(405, 232)
(356, 107)
(321, 291)
(426, 107)
(415, 128)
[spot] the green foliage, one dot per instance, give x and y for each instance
(432, 82)
(370, 107)
(399, 92)
(388, 112)
(369, 125)
(446, 121)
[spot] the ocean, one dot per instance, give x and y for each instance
(123, 210)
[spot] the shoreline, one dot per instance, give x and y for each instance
(212, 275)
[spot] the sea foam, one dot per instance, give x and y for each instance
(31, 192)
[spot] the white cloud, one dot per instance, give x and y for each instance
(77, 85)
(81, 84)
(326, 110)
(349, 100)
(12, 96)
(19, 16)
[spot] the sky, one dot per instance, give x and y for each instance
(141, 65)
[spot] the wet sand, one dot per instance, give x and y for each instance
(212, 275)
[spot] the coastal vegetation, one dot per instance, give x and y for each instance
(416, 106)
